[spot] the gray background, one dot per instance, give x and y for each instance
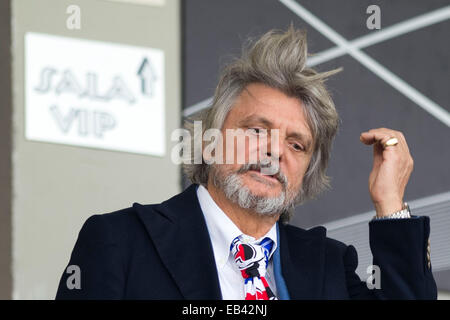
(214, 31)
(49, 189)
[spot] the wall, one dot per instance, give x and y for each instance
(56, 187)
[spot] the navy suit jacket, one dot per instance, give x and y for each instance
(163, 251)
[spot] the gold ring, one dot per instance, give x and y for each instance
(391, 142)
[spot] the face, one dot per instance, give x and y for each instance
(258, 111)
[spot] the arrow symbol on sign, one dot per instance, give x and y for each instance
(148, 77)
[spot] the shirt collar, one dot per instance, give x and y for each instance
(222, 230)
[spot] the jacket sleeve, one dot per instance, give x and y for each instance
(399, 249)
(95, 269)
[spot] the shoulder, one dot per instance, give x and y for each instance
(131, 222)
(319, 234)
(116, 225)
(124, 217)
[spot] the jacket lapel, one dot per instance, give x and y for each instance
(302, 261)
(178, 230)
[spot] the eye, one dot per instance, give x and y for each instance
(298, 147)
(258, 131)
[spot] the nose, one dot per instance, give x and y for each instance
(275, 147)
(273, 155)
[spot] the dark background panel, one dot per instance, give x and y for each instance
(5, 151)
(215, 30)
(348, 17)
(421, 58)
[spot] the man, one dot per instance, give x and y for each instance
(226, 236)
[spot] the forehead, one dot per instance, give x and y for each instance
(260, 101)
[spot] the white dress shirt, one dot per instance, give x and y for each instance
(222, 231)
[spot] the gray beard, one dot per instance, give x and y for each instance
(235, 191)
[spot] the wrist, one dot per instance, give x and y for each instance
(401, 214)
(384, 209)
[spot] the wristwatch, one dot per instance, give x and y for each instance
(402, 214)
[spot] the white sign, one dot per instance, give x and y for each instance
(94, 94)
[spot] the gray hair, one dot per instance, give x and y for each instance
(278, 60)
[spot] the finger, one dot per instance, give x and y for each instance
(383, 135)
(377, 155)
(402, 141)
(377, 136)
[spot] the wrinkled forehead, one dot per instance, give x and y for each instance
(271, 108)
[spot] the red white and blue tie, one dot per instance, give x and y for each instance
(252, 261)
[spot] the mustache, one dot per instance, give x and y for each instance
(262, 167)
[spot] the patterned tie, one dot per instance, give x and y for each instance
(252, 261)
